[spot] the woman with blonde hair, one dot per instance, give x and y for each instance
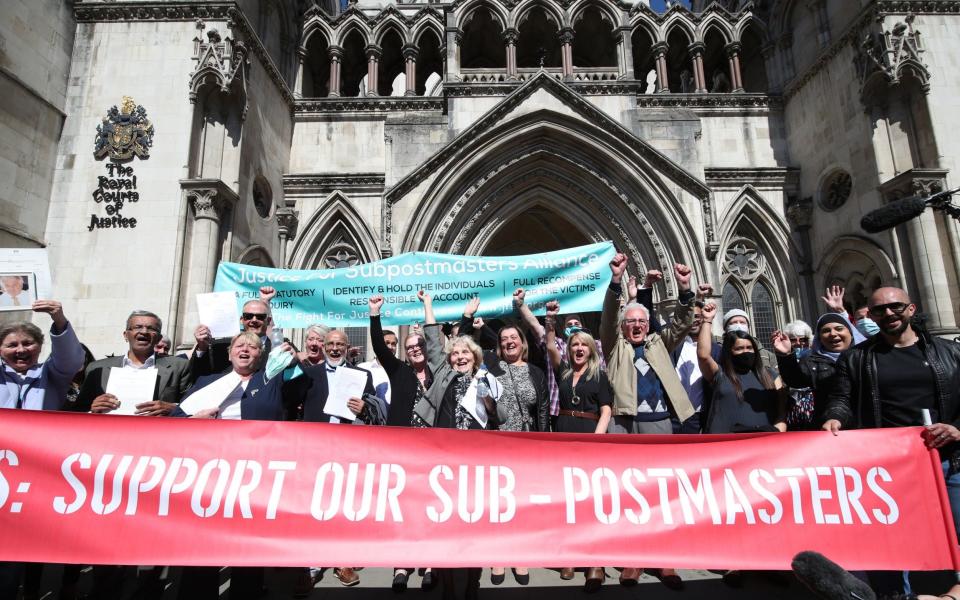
(586, 401)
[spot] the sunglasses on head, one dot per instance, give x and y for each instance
(259, 316)
(896, 308)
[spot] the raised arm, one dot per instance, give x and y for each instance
(682, 319)
(388, 360)
(611, 303)
(526, 315)
(427, 300)
(708, 366)
(553, 309)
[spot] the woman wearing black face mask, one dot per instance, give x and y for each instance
(746, 396)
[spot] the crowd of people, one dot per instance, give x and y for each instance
(640, 374)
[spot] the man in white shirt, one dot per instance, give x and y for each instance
(13, 292)
(381, 381)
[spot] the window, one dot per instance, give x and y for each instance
(764, 316)
(835, 190)
(743, 266)
(732, 298)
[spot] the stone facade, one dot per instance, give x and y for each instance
(746, 142)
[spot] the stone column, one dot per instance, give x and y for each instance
(699, 80)
(660, 51)
(733, 57)
(800, 215)
(510, 41)
(625, 53)
(566, 51)
(373, 68)
(453, 37)
(786, 56)
(209, 202)
(336, 55)
(410, 54)
(286, 231)
(301, 58)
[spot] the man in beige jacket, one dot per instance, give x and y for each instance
(646, 387)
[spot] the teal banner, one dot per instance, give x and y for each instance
(577, 277)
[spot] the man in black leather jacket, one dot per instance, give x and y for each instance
(888, 380)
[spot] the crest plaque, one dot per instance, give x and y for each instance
(124, 133)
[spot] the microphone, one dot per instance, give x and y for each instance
(893, 214)
(829, 580)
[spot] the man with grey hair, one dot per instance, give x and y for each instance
(173, 378)
(142, 333)
(646, 387)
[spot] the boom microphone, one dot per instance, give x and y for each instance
(827, 579)
(893, 214)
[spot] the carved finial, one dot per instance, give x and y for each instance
(214, 36)
(127, 105)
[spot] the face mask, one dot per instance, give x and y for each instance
(743, 362)
(567, 332)
(738, 327)
(802, 352)
(868, 327)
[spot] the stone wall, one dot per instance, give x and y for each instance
(36, 40)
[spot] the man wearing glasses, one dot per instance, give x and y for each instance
(173, 374)
(646, 387)
(887, 380)
(212, 356)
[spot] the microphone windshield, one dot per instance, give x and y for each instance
(893, 214)
(829, 580)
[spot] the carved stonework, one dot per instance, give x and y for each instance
(287, 222)
(319, 106)
(340, 255)
(221, 62)
(915, 182)
(743, 259)
(800, 212)
(324, 183)
(207, 204)
(887, 56)
(711, 101)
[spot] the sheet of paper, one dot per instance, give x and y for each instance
(218, 311)
(345, 384)
(211, 396)
(131, 387)
(29, 260)
(474, 405)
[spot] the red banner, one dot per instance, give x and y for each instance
(133, 490)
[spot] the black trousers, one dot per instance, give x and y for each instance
(460, 584)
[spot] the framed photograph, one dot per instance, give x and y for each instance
(17, 290)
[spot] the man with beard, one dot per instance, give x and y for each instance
(889, 379)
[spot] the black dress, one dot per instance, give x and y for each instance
(757, 411)
(591, 394)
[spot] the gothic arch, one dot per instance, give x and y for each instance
(676, 20)
(522, 11)
(858, 264)
(334, 222)
(628, 200)
(496, 11)
(391, 22)
(748, 21)
(312, 26)
(256, 255)
(751, 218)
(607, 10)
(714, 22)
(351, 24)
(426, 25)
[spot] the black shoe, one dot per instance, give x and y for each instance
(521, 579)
(733, 578)
(497, 579)
(400, 582)
(429, 581)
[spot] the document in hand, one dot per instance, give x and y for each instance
(218, 311)
(211, 396)
(131, 387)
(345, 384)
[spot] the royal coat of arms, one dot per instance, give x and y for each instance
(124, 133)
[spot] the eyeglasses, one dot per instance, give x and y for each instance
(800, 340)
(632, 322)
(250, 316)
(416, 348)
(896, 308)
(149, 328)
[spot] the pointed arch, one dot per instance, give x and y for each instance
(523, 9)
(607, 9)
(255, 255)
(713, 22)
(336, 221)
(351, 24)
(426, 25)
(313, 25)
(750, 20)
(858, 264)
(391, 22)
(677, 21)
(494, 8)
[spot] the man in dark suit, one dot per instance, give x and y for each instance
(211, 357)
(141, 333)
(173, 374)
(307, 395)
